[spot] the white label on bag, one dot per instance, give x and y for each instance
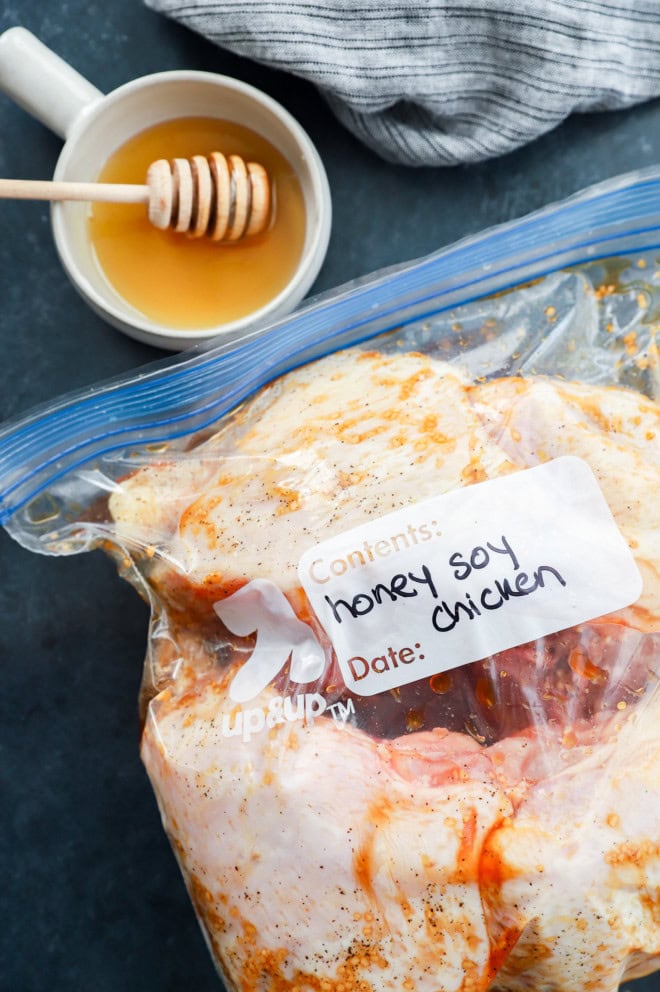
(469, 573)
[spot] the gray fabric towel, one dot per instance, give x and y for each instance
(438, 83)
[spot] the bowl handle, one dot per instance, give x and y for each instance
(41, 82)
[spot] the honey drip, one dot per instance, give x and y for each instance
(441, 683)
(485, 692)
(582, 665)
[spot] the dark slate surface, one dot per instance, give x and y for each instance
(90, 897)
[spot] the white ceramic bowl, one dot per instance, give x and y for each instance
(94, 126)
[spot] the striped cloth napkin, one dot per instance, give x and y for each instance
(440, 82)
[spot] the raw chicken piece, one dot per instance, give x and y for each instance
(345, 856)
(320, 857)
(615, 431)
(311, 860)
(323, 449)
(580, 863)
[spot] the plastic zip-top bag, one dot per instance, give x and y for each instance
(400, 704)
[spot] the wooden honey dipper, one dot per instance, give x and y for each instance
(220, 197)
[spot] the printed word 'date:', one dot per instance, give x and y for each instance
(382, 663)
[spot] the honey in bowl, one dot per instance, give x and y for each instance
(193, 284)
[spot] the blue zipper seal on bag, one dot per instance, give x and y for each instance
(177, 397)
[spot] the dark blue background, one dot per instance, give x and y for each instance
(90, 897)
